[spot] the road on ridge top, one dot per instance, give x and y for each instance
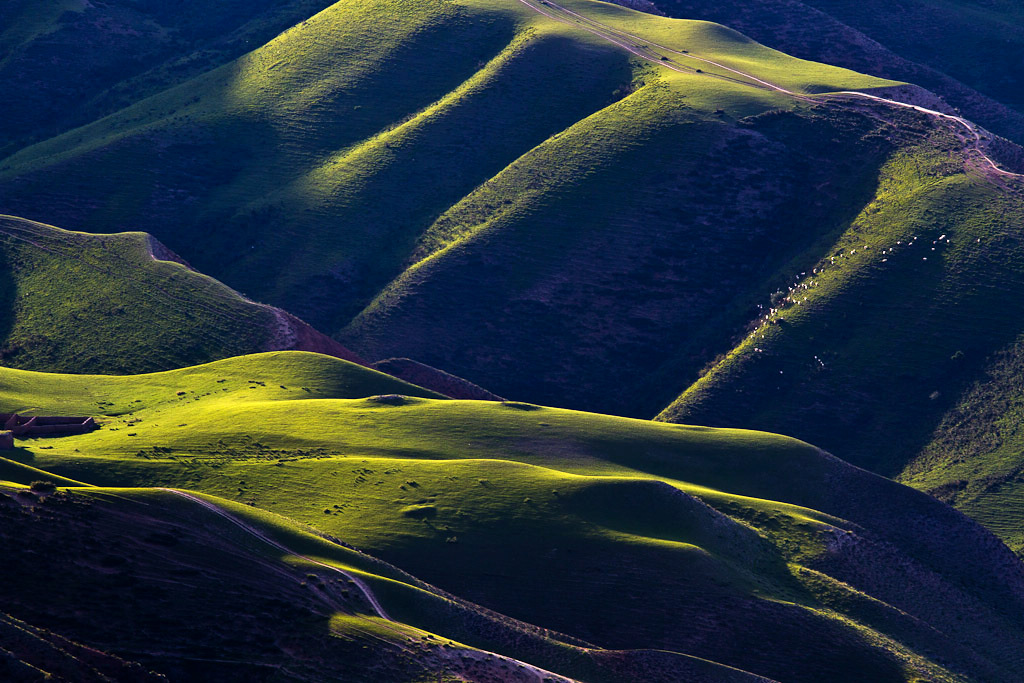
(649, 51)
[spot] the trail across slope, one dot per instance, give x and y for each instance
(367, 593)
(253, 531)
(646, 49)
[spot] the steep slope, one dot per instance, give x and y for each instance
(971, 52)
(876, 337)
(74, 302)
(316, 170)
(64, 63)
(751, 550)
(973, 458)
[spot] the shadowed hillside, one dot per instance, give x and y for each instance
(164, 568)
(873, 346)
(64, 63)
(333, 169)
(971, 52)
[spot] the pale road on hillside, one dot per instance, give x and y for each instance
(540, 674)
(641, 47)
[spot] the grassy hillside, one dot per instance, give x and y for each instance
(67, 62)
(335, 159)
(872, 347)
(748, 549)
(75, 302)
(968, 51)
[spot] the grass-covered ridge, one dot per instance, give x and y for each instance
(374, 134)
(968, 52)
(872, 346)
(189, 559)
(77, 302)
(66, 62)
(521, 509)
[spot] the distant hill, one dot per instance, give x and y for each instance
(748, 549)
(971, 52)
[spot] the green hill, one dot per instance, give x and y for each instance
(883, 345)
(65, 63)
(75, 302)
(362, 168)
(744, 548)
(968, 51)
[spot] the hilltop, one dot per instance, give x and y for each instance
(748, 549)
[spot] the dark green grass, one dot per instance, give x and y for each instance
(883, 344)
(345, 139)
(66, 63)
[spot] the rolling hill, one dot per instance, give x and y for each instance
(747, 549)
(67, 62)
(164, 568)
(76, 302)
(569, 204)
(890, 346)
(359, 172)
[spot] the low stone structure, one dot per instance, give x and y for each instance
(24, 426)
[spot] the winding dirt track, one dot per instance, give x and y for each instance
(537, 672)
(655, 53)
(253, 531)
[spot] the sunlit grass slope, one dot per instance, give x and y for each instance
(75, 302)
(745, 548)
(312, 172)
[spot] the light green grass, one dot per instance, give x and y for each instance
(75, 302)
(465, 494)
